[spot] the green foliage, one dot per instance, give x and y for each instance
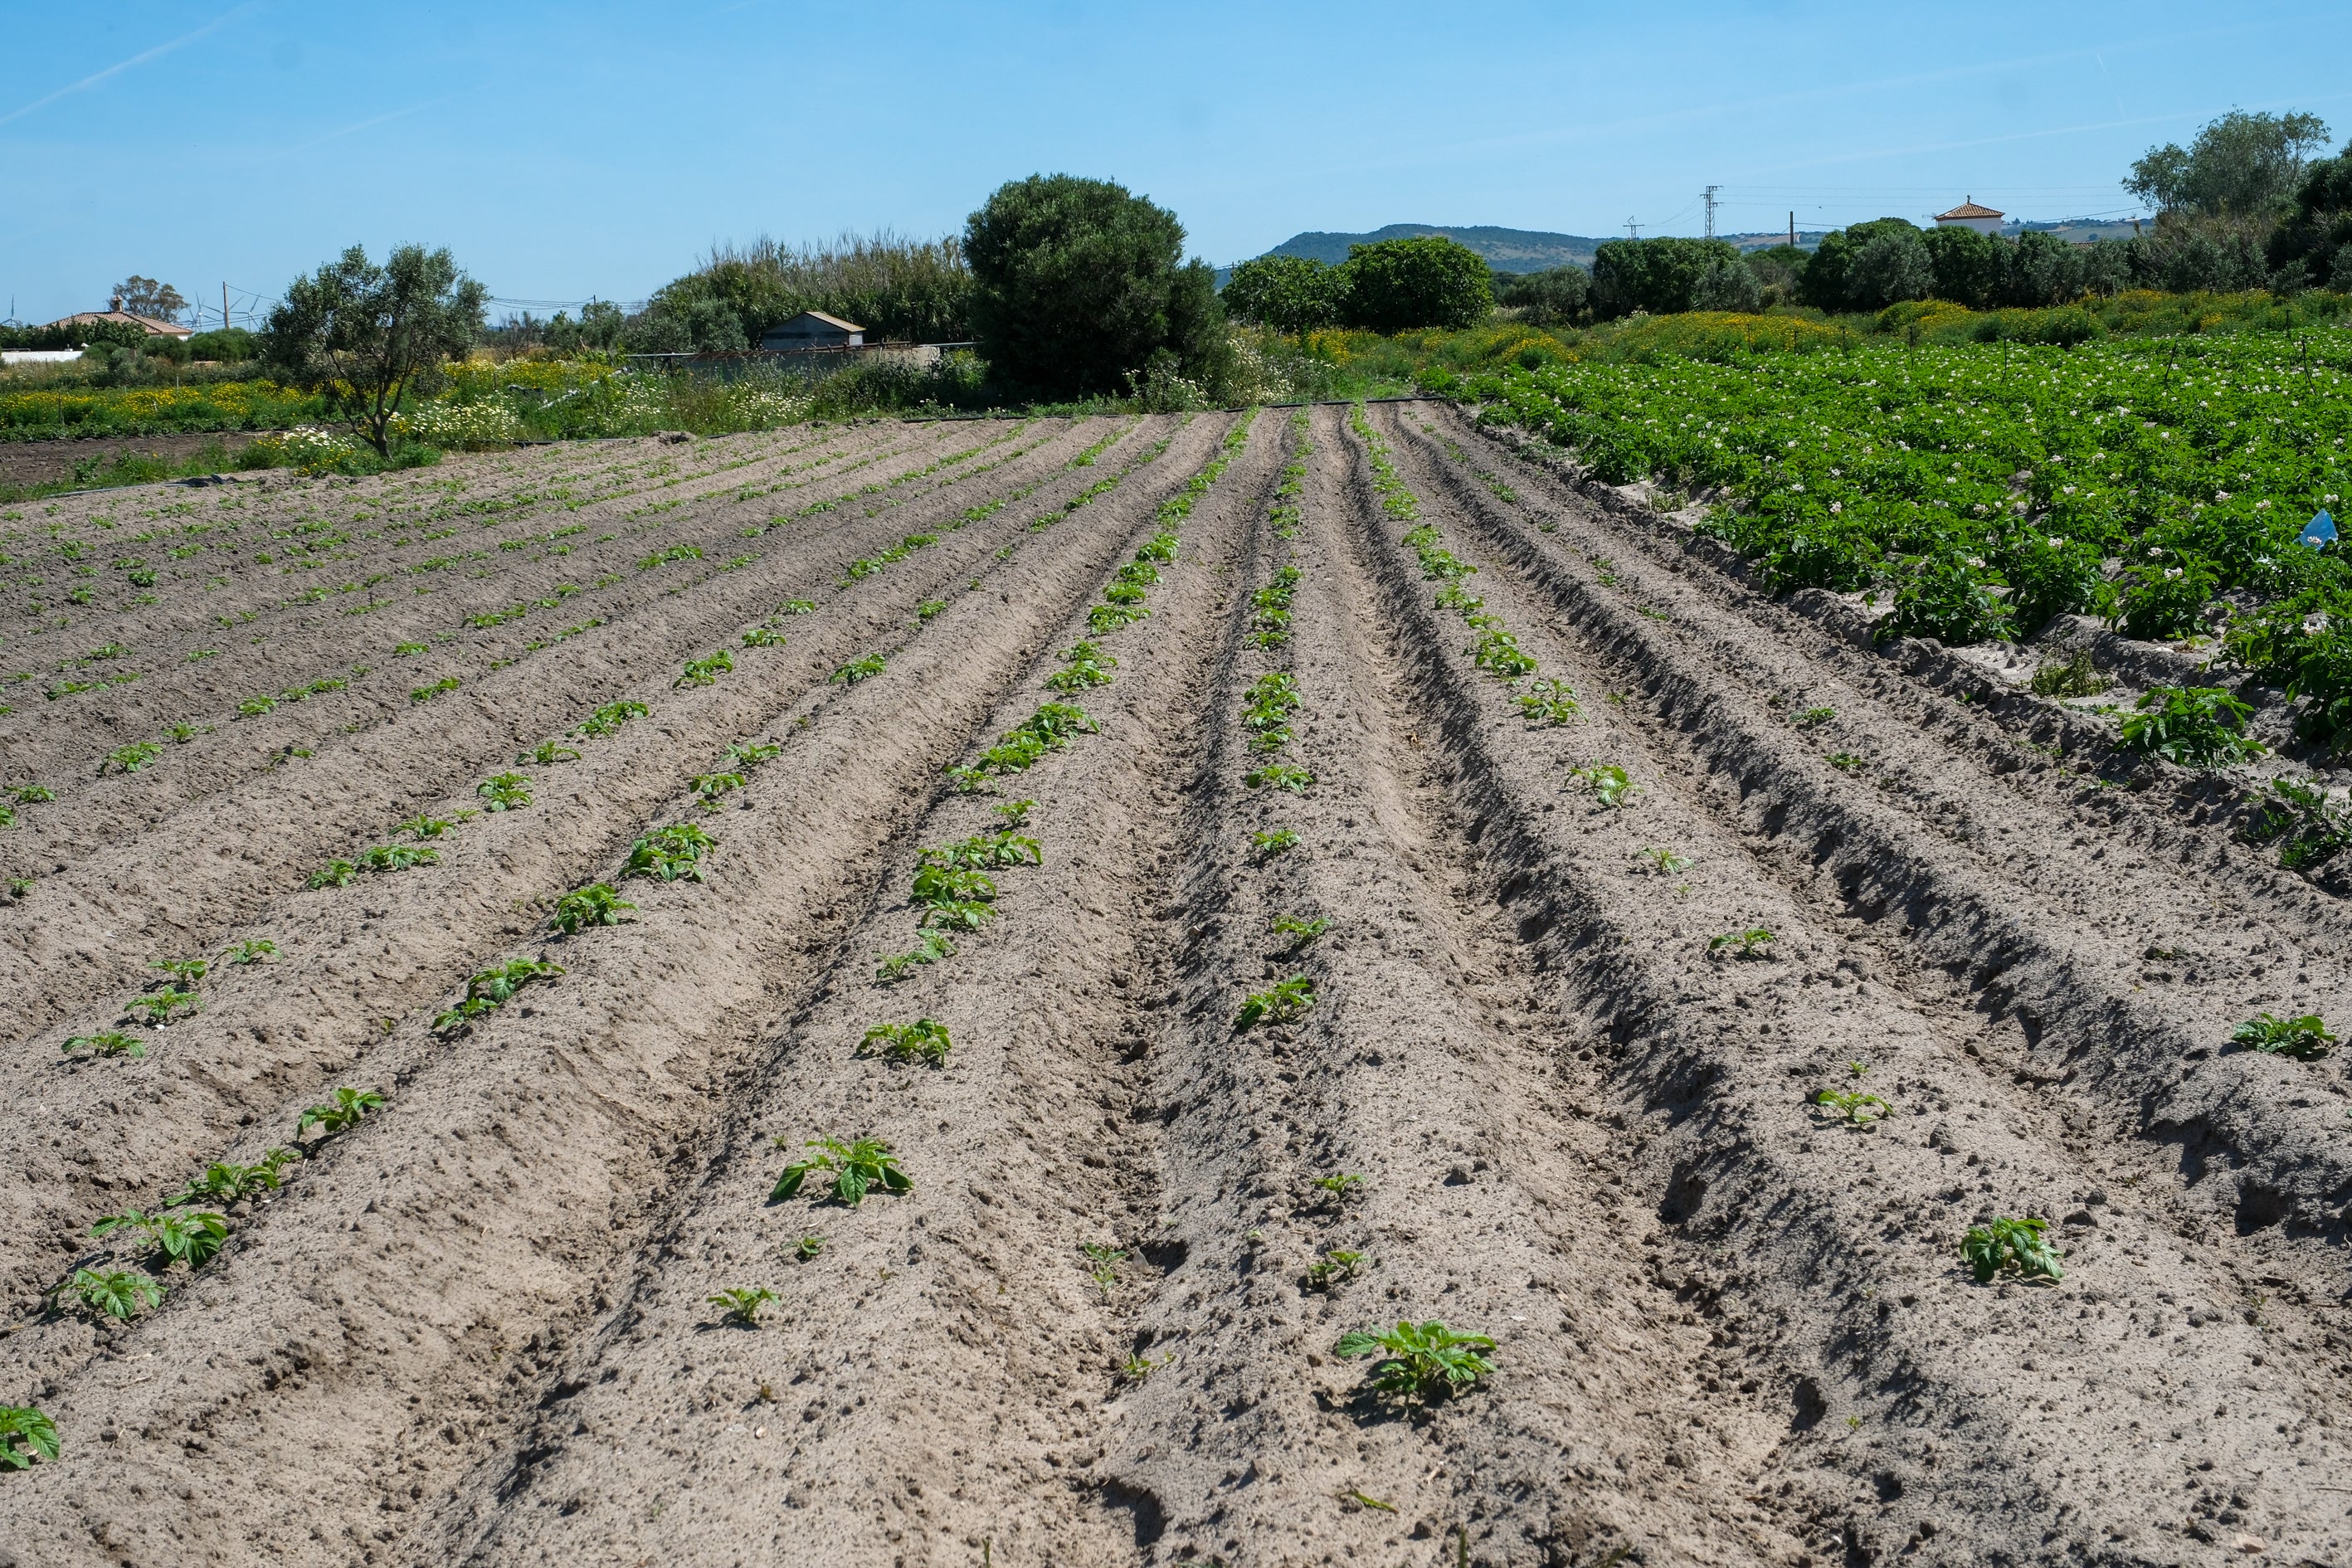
(1279, 775)
(158, 1004)
(252, 950)
(2304, 1038)
(365, 337)
(2195, 726)
(675, 552)
(504, 791)
(1284, 1002)
(1547, 701)
(763, 637)
(447, 683)
(1421, 1361)
(107, 1043)
(388, 857)
(1812, 718)
(1274, 841)
(493, 988)
(1858, 1109)
(27, 793)
(1302, 934)
(1084, 665)
(195, 1239)
(608, 719)
(2309, 826)
(225, 1183)
(809, 1248)
(1661, 276)
(713, 787)
(955, 897)
(1426, 282)
(705, 671)
(130, 759)
(924, 1038)
(985, 851)
(669, 853)
(930, 946)
(341, 1114)
(1749, 944)
(968, 781)
(422, 826)
(1339, 1186)
(859, 670)
(1609, 784)
(1292, 294)
(1333, 1267)
(187, 971)
(334, 874)
(1078, 290)
(2077, 676)
(1666, 862)
(118, 1293)
(1103, 1261)
(2011, 1246)
(547, 753)
(857, 1169)
(25, 1435)
(742, 1306)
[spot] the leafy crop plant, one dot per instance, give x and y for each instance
(2306, 1038)
(597, 904)
(1749, 944)
(925, 1037)
(669, 853)
(26, 1436)
(1421, 1361)
(108, 1043)
(742, 1306)
(1284, 1002)
(341, 1114)
(2011, 1246)
(116, 1293)
(857, 1169)
(2195, 726)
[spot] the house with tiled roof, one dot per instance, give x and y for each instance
(114, 312)
(1970, 213)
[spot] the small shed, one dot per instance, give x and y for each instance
(813, 329)
(1970, 215)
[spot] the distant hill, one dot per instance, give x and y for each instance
(1505, 249)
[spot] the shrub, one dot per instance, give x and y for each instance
(1659, 276)
(365, 336)
(1948, 597)
(1288, 293)
(1548, 298)
(1426, 282)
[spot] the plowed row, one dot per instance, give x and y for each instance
(477, 1328)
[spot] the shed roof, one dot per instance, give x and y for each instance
(834, 322)
(1970, 208)
(154, 328)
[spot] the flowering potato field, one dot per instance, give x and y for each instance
(1283, 986)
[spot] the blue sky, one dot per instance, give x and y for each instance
(587, 149)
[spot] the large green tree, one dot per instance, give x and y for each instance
(1428, 280)
(1081, 288)
(1660, 276)
(1288, 293)
(367, 336)
(2240, 166)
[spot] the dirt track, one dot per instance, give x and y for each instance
(475, 1328)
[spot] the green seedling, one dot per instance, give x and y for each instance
(1812, 718)
(254, 707)
(1749, 944)
(856, 1170)
(1274, 841)
(968, 781)
(1279, 775)
(252, 950)
(986, 851)
(742, 1307)
(753, 753)
(809, 1249)
(797, 607)
(1284, 1002)
(1084, 665)
(26, 1435)
(387, 857)
(597, 904)
(1847, 761)
(334, 874)
(1300, 932)
(669, 853)
(1014, 812)
(2306, 1038)
(1420, 1360)
(181, 734)
(1606, 781)
(1666, 862)
(422, 826)
(504, 791)
(341, 1114)
(711, 787)
(408, 648)
(30, 794)
(493, 988)
(224, 1183)
(118, 1293)
(447, 683)
(859, 670)
(930, 946)
(763, 637)
(130, 759)
(158, 1004)
(1858, 1109)
(1136, 1368)
(1549, 702)
(1103, 1262)
(924, 1038)
(547, 753)
(954, 896)
(2195, 726)
(18, 886)
(1054, 724)
(2010, 1245)
(188, 970)
(608, 719)
(2077, 677)
(929, 607)
(1334, 1267)
(108, 1043)
(706, 671)
(195, 1239)
(1339, 1186)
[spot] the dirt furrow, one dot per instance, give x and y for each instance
(2110, 955)
(362, 1342)
(352, 958)
(1822, 1257)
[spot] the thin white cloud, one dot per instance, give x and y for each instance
(215, 25)
(357, 126)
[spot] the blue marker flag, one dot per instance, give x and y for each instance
(2320, 532)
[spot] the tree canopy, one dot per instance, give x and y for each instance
(367, 336)
(2241, 165)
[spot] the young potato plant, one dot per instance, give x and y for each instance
(954, 896)
(797, 607)
(1279, 775)
(763, 637)
(707, 671)
(31, 793)
(493, 988)
(1302, 934)
(985, 851)
(25, 1435)
(1084, 665)
(2310, 826)
(1813, 718)
(711, 788)
(118, 1293)
(1334, 1267)
(924, 1038)
(1274, 841)
(224, 1183)
(930, 946)
(184, 971)
(1608, 782)
(2011, 1246)
(108, 1043)
(968, 781)
(1749, 944)
(809, 1248)
(1015, 813)
(504, 791)
(749, 754)
(1338, 1187)
(1103, 1261)
(1856, 1108)
(388, 857)
(857, 1169)
(334, 874)
(195, 1239)
(1110, 617)
(1286, 1001)
(2195, 726)
(423, 826)
(2304, 1038)
(1421, 1361)
(1547, 701)
(447, 683)
(1666, 862)
(669, 853)
(608, 719)
(130, 759)
(597, 904)
(339, 1115)
(859, 670)
(547, 753)
(158, 1005)
(742, 1306)
(929, 607)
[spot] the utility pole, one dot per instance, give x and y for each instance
(1793, 228)
(1633, 229)
(1710, 209)
(224, 304)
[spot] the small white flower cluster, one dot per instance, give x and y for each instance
(464, 426)
(307, 448)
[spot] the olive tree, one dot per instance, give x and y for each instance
(367, 336)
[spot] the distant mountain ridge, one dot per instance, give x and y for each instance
(1505, 249)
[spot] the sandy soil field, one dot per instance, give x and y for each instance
(1215, 920)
